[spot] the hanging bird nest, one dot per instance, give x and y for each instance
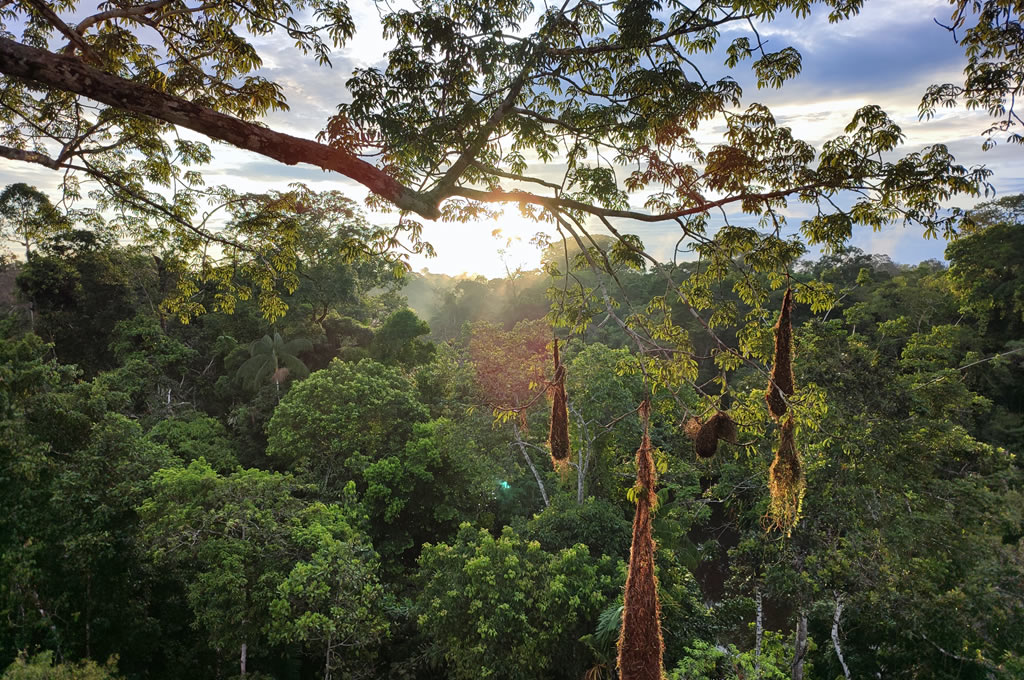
(786, 482)
(640, 643)
(782, 380)
(558, 435)
(706, 434)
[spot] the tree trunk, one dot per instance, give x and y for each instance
(579, 477)
(585, 454)
(242, 659)
(758, 632)
(835, 634)
(529, 463)
(327, 657)
(800, 648)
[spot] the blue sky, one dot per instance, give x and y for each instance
(887, 55)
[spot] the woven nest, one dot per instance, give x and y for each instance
(706, 434)
(640, 644)
(782, 382)
(786, 482)
(558, 434)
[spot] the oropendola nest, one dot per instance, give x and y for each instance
(640, 643)
(782, 369)
(786, 480)
(705, 435)
(558, 435)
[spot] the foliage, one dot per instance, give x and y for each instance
(42, 667)
(396, 341)
(132, 530)
(340, 420)
(194, 437)
(703, 660)
(504, 608)
(332, 601)
(272, 359)
(989, 32)
(28, 216)
(510, 365)
(250, 548)
(986, 272)
(595, 523)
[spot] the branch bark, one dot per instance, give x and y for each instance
(71, 75)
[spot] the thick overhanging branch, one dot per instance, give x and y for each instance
(71, 75)
(29, 157)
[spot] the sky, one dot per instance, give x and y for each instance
(887, 55)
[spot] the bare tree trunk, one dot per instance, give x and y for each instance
(800, 649)
(584, 461)
(242, 658)
(758, 632)
(835, 633)
(88, 615)
(580, 471)
(529, 463)
(327, 658)
(53, 627)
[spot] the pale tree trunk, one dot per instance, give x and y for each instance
(244, 653)
(583, 456)
(800, 648)
(835, 633)
(327, 657)
(580, 471)
(529, 463)
(53, 627)
(758, 633)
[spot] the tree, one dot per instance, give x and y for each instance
(197, 436)
(990, 33)
(397, 341)
(332, 601)
(503, 608)
(28, 216)
(597, 83)
(248, 545)
(987, 268)
(273, 359)
(352, 423)
(81, 285)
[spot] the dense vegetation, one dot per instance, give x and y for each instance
(351, 492)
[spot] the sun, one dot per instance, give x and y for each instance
(490, 248)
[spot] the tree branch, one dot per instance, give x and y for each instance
(76, 38)
(71, 75)
(120, 13)
(559, 203)
(29, 157)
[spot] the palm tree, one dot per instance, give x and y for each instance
(271, 358)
